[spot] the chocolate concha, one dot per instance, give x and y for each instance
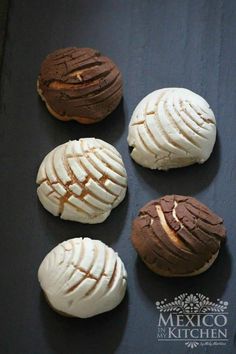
(177, 236)
(79, 84)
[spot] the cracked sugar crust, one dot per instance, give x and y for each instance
(177, 236)
(82, 180)
(83, 277)
(170, 128)
(79, 84)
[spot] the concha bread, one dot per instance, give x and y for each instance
(177, 236)
(82, 278)
(172, 127)
(79, 84)
(82, 180)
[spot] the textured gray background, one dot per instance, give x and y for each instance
(156, 44)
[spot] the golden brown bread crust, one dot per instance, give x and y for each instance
(79, 84)
(177, 236)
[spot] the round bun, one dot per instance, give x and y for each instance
(79, 84)
(172, 127)
(82, 180)
(177, 236)
(82, 278)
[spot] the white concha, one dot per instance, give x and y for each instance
(82, 278)
(82, 180)
(172, 127)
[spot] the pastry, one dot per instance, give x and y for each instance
(172, 127)
(79, 84)
(82, 278)
(82, 180)
(177, 236)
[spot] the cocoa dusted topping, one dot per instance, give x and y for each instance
(79, 84)
(177, 235)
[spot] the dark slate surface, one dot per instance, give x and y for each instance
(156, 44)
(3, 19)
